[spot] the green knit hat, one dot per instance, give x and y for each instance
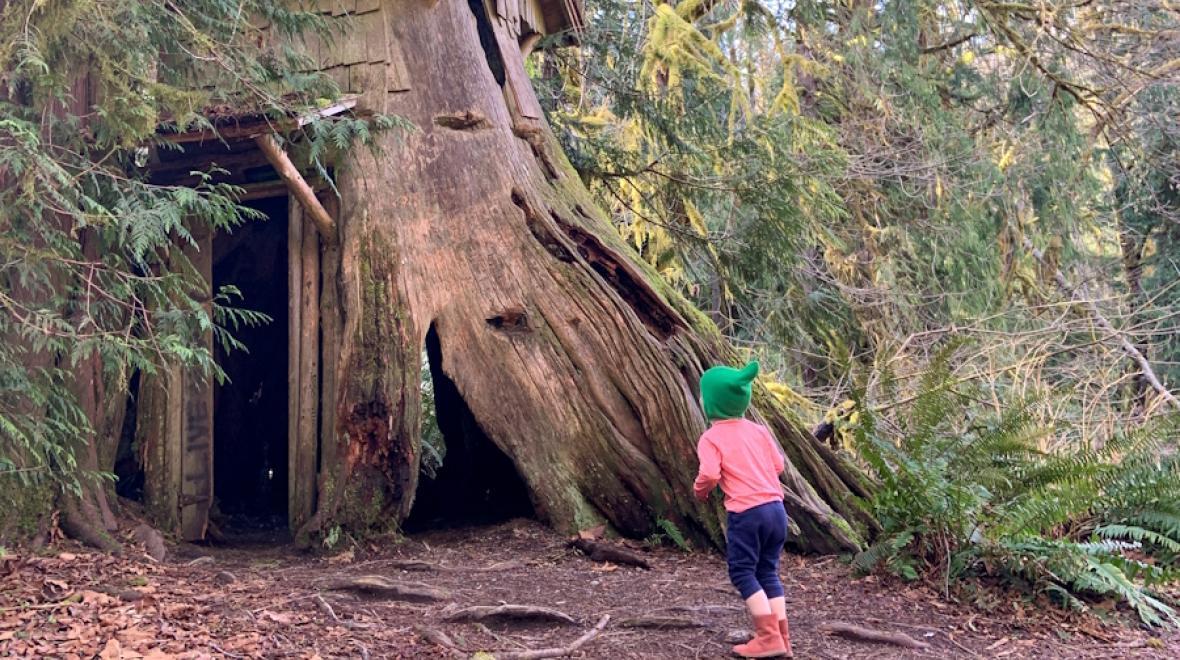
(725, 391)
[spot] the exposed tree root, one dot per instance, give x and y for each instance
(662, 621)
(440, 638)
(77, 527)
(507, 611)
(326, 608)
(376, 586)
(862, 634)
(600, 551)
(557, 652)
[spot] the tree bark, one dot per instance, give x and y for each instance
(573, 357)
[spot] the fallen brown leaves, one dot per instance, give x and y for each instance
(267, 602)
(85, 605)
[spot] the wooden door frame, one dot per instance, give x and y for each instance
(303, 363)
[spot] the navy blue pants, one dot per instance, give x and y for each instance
(754, 540)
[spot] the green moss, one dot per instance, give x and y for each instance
(25, 506)
(840, 523)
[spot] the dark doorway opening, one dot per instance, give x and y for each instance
(129, 477)
(250, 407)
(476, 483)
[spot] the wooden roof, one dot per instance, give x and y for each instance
(547, 17)
(231, 123)
(563, 16)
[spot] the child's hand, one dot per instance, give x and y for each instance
(701, 495)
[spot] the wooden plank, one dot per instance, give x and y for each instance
(196, 436)
(307, 442)
(153, 437)
(372, 27)
(173, 440)
(519, 89)
(329, 55)
(294, 328)
(339, 75)
(254, 129)
(397, 75)
(353, 42)
(300, 191)
(310, 43)
(371, 79)
(275, 189)
(330, 340)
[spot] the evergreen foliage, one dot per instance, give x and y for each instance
(846, 186)
(92, 255)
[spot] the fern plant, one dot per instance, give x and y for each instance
(965, 495)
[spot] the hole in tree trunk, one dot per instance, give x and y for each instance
(466, 478)
(487, 40)
(250, 407)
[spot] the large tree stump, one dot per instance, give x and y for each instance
(571, 354)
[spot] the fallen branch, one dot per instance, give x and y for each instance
(602, 552)
(557, 652)
(1101, 321)
(379, 587)
(507, 611)
(326, 608)
(849, 631)
(302, 192)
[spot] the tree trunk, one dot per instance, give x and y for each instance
(570, 355)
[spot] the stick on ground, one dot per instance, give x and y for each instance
(599, 551)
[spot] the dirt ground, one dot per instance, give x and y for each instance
(273, 602)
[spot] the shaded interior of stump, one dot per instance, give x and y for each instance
(476, 483)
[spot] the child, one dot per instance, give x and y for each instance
(745, 460)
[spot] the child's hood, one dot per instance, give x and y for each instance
(725, 391)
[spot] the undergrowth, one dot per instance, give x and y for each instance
(964, 495)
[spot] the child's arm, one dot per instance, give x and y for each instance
(710, 471)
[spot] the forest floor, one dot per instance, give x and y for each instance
(274, 602)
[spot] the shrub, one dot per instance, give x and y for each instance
(964, 495)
